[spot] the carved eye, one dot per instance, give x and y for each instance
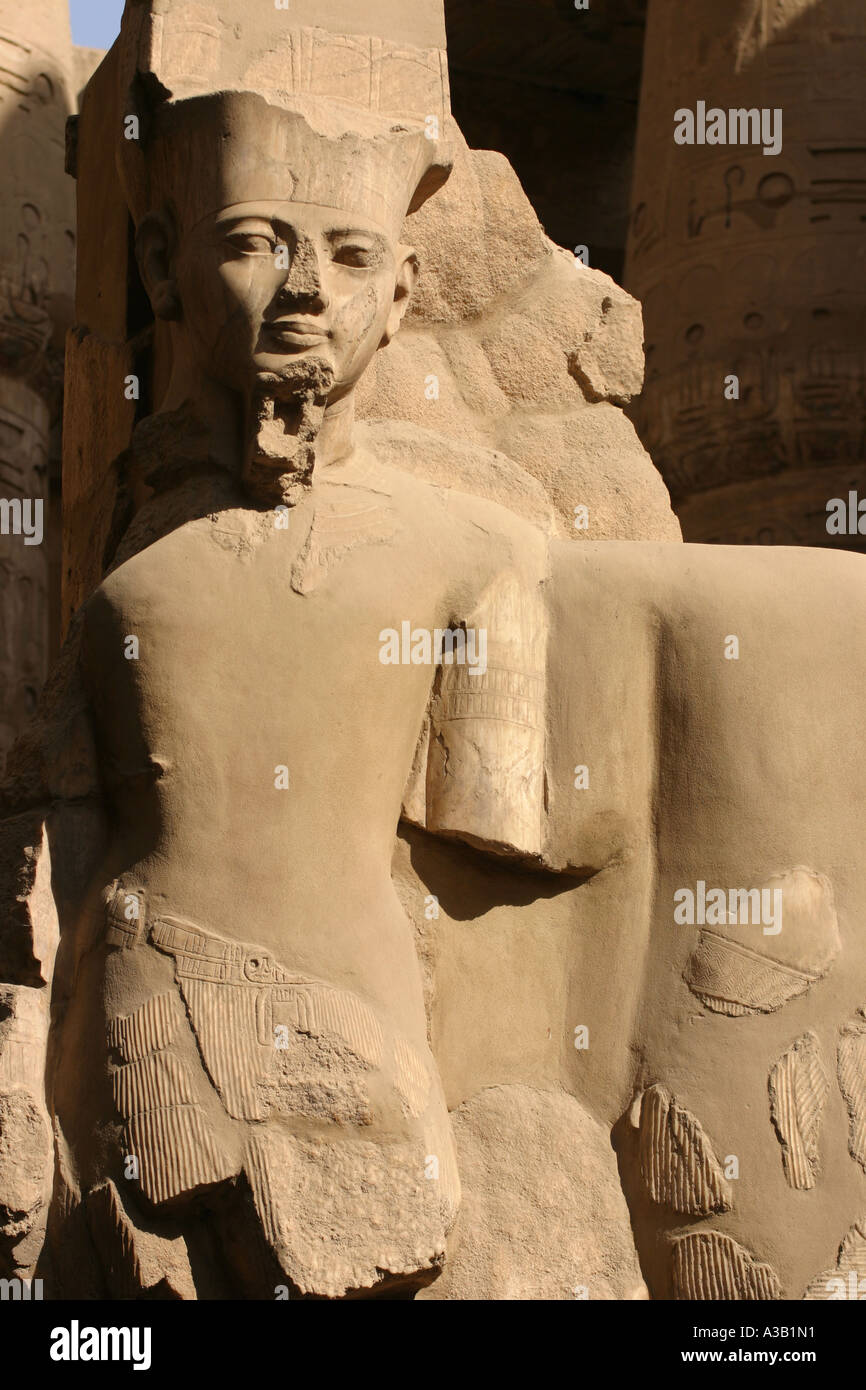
(251, 243)
(355, 255)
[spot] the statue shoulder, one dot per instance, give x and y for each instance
(468, 472)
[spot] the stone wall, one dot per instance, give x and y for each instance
(37, 258)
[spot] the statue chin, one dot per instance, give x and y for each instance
(285, 416)
(301, 378)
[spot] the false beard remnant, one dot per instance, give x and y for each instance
(285, 417)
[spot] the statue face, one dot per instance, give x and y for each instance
(262, 287)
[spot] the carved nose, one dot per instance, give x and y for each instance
(303, 280)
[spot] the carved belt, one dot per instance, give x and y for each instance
(280, 1046)
(244, 1008)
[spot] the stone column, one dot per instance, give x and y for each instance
(753, 265)
(37, 243)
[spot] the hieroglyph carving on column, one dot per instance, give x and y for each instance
(746, 249)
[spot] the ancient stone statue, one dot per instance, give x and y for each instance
(629, 845)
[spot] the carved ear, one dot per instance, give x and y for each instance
(408, 270)
(155, 243)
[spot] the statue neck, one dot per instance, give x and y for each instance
(222, 414)
(336, 438)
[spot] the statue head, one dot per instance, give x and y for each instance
(264, 287)
(269, 239)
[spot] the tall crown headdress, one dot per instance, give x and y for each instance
(265, 108)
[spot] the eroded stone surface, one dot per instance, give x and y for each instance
(851, 1073)
(536, 1162)
(798, 1090)
(137, 1262)
(736, 974)
(710, 1265)
(677, 1161)
(847, 1279)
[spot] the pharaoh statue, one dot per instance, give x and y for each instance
(401, 899)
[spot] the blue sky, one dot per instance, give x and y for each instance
(95, 23)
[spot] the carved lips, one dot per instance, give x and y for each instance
(297, 332)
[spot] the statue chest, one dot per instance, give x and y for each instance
(209, 657)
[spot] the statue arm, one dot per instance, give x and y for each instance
(548, 758)
(479, 771)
